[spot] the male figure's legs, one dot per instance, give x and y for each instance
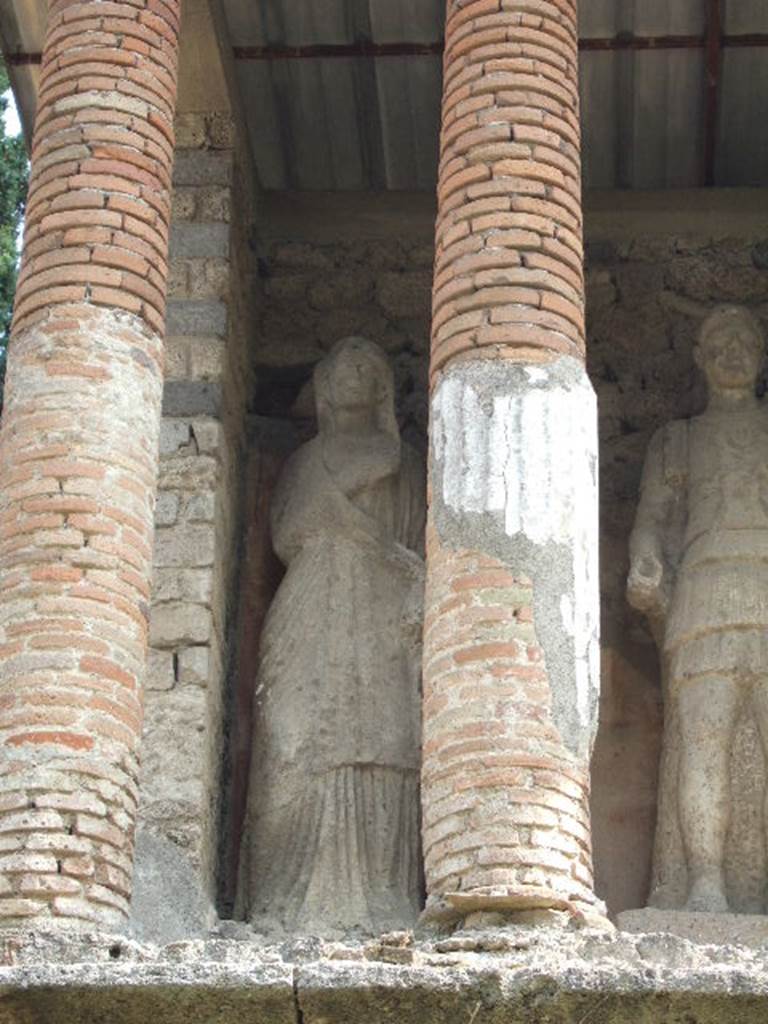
(708, 708)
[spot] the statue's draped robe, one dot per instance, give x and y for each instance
(331, 839)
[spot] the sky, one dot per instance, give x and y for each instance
(12, 123)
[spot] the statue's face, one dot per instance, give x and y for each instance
(354, 378)
(731, 354)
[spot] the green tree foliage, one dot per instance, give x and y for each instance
(13, 193)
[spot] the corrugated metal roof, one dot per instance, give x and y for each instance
(372, 122)
(22, 23)
(358, 123)
(604, 18)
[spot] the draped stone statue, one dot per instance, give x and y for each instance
(331, 841)
(699, 571)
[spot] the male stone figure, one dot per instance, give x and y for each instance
(699, 570)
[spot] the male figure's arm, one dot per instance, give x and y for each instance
(649, 583)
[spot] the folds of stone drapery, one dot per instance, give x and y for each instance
(78, 461)
(511, 631)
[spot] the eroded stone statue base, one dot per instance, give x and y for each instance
(710, 929)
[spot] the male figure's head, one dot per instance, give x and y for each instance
(731, 350)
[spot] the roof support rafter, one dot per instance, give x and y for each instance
(367, 48)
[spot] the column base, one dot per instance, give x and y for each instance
(499, 906)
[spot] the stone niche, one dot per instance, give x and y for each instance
(339, 265)
(313, 269)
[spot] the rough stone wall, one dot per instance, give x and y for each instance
(319, 292)
(206, 379)
(642, 275)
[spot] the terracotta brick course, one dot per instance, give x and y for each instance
(76, 512)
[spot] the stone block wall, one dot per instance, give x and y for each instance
(210, 322)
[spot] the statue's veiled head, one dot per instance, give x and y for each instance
(355, 375)
(731, 349)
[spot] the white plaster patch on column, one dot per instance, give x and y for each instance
(531, 455)
(477, 451)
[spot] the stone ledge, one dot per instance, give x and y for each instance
(491, 978)
(701, 928)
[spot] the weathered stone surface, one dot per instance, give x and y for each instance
(173, 625)
(214, 203)
(200, 508)
(220, 131)
(194, 666)
(488, 977)
(171, 767)
(209, 436)
(166, 508)
(404, 294)
(715, 929)
(190, 131)
(198, 240)
(179, 584)
(160, 671)
(200, 168)
(174, 434)
(196, 316)
(207, 357)
(185, 546)
(191, 398)
(167, 904)
(352, 288)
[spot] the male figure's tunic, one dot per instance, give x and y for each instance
(718, 619)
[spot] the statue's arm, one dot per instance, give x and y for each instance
(303, 504)
(648, 584)
(308, 502)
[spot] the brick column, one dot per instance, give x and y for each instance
(511, 633)
(78, 461)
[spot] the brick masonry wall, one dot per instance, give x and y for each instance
(78, 458)
(640, 337)
(210, 325)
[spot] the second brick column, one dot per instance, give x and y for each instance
(511, 633)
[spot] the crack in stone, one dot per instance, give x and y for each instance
(296, 1001)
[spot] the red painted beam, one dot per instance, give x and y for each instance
(362, 48)
(19, 59)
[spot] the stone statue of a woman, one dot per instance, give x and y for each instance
(331, 840)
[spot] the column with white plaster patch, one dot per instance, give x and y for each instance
(511, 673)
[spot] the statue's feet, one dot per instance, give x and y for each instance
(707, 894)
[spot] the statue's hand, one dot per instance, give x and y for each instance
(645, 589)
